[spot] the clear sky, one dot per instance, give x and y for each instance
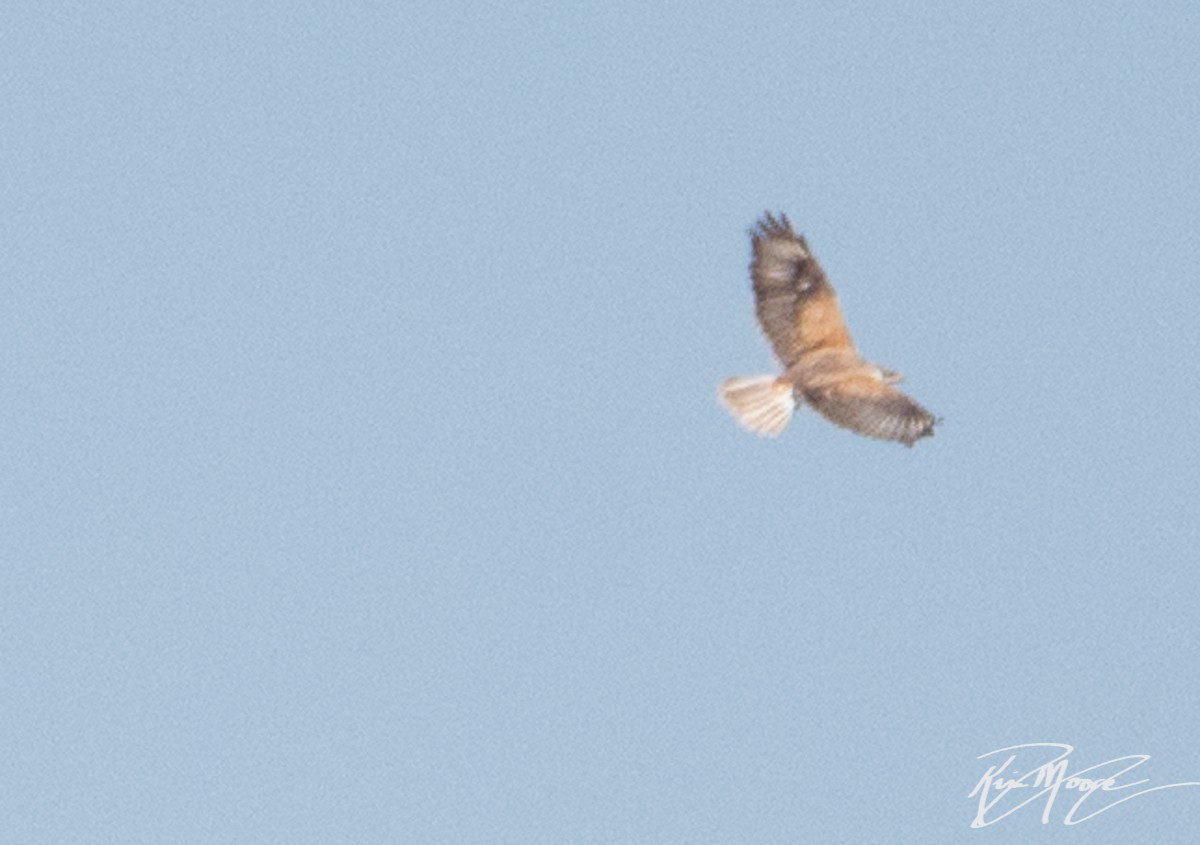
(363, 478)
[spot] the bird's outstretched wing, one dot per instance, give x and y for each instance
(796, 305)
(872, 408)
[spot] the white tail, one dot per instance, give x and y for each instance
(762, 404)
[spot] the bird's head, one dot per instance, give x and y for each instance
(890, 376)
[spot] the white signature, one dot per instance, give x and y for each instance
(1048, 776)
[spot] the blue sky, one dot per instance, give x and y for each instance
(363, 475)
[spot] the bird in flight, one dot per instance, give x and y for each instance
(798, 311)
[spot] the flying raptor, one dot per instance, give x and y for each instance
(798, 311)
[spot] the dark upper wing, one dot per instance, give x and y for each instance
(873, 409)
(796, 305)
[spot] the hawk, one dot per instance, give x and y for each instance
(798, 311)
